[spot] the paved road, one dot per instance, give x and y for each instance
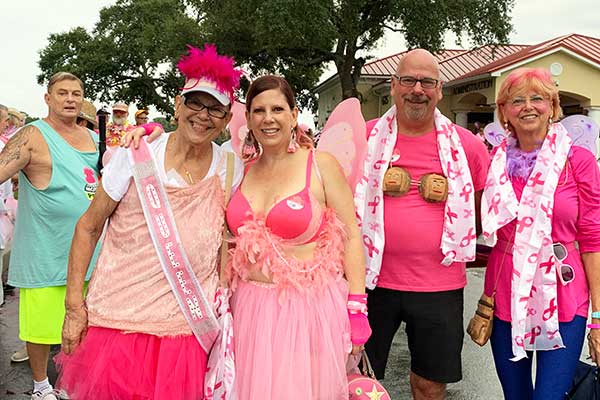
(479, 383)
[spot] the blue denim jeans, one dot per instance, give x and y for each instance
(554, 368)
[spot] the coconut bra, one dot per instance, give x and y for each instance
(297, 219)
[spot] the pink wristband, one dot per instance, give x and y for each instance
(593, 326)
(357, 304)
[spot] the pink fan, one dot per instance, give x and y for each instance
(344, 136)
(583, 130)
(494, 133)
(237, 127)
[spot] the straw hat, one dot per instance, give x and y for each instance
(88, 112)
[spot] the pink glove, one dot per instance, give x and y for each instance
(360, 331)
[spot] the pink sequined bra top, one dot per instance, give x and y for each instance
(297, 219)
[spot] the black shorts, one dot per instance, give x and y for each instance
(434, 327)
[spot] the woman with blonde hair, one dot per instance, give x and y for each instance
(541, 209)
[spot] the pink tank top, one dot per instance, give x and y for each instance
(297, 219)
(128, 290)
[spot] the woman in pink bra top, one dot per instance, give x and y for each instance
(297, 269)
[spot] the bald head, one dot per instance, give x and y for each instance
(416, 88)
(419, 59)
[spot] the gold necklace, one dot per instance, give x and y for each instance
(188, 174)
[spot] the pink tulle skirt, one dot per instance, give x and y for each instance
(112, 365)
(291, 345)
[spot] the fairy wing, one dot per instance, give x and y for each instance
(583, 130)
(344, 136)
(237, 127)
(494, 133)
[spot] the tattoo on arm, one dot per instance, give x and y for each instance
(18, 143)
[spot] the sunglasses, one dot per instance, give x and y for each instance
(567, 273)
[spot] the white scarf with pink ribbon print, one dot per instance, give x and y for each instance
(534, 311)
(458, 237)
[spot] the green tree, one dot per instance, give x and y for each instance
(131, 53)
(296, 38)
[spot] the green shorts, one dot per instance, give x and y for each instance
(41, 314)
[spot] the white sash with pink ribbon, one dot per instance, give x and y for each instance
(195, 307)
(534, 312)
(458, 237)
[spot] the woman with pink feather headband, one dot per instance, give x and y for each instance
(132, 338)
(541, 210)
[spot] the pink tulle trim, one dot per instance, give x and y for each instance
(110, 364)
(257, 248)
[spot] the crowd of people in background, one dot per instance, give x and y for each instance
(313, 278)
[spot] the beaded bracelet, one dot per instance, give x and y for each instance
(596, 314)
(593, 326)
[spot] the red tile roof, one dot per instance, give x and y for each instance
(585, 46)
(462, 64)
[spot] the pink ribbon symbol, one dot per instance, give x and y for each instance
(546, 209)
(544, 160)
(370, 247)
(503, 178)
(552, 142)
(549, 312)
(377, 164)
(389, 121)
(519, 341)
(454, 154)
(524, 223)
(551, 334)
(373, 132)
(385, 141)
(531, 311)
(374, 204)
(535, 331)
(374, 226)
(468, 213)
(533, 258)
(466, 241)
(495, 203)
(451, 215)
(548, 265)
(535, 180)
(450, 235)
(467, 189)
(452, 173)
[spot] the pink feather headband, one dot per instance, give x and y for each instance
(205, 68)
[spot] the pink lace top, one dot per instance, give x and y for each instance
(128, 290)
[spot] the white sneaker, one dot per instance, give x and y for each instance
(48, 394)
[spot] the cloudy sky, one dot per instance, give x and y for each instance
(26, 25)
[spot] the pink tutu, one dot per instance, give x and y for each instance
(111, 365)
(292, 346)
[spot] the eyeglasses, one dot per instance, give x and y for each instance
(411, 81)
(535, 100)
(195, 104)
(567, 273)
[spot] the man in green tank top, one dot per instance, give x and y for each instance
(56, 161)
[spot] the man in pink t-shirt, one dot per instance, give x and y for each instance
(413, 285)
